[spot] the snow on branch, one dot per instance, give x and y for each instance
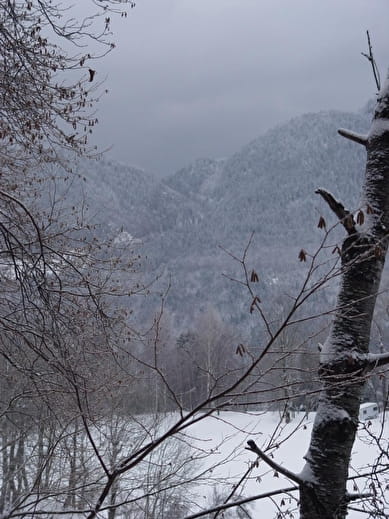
(252, 446)
(375, 360)
(358, 496)
(345, 217)
(352, 136)
(363, 363)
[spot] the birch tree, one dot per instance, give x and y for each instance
(345, 359)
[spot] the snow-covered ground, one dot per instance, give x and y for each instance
(224, 437)
(204, 464)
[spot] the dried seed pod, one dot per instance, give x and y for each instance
(322, 223)
(254, 277)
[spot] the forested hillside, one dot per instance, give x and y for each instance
(185, 220)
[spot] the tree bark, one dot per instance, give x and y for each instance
(345, 353)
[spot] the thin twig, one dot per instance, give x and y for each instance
(370, 57)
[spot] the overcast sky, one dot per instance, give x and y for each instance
(201, 78)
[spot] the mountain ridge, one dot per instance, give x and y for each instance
(268, 186)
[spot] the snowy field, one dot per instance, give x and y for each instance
(199, 468)
(224, 438)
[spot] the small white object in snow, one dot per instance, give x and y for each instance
(368, 411)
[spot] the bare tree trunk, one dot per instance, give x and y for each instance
(73, 454)
(5, 438)
(344, 361)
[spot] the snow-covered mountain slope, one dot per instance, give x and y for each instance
(267, 187)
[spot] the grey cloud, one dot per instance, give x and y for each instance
(194, 78)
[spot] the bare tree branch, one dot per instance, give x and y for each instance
(352, 136)
(371, 59)
(240, 502)
(252, 446)
(345, 217)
